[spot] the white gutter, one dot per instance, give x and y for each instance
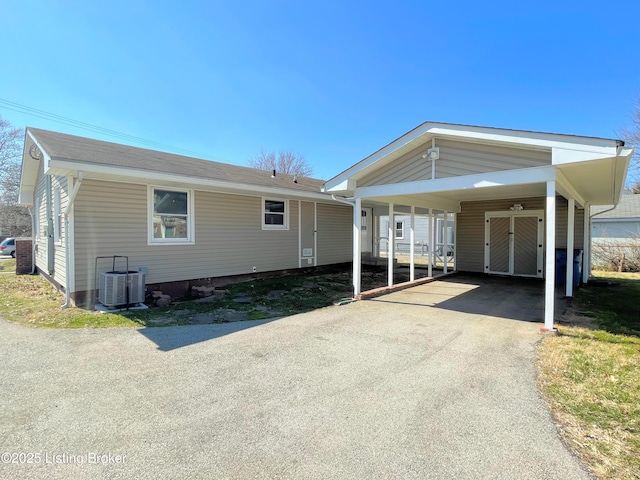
(132, 175)
(347, 201)
(68, 240)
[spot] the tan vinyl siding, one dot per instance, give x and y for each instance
(471, 223)
(561, 225)
(40, 206)
(460, 158)
(409, 167)
(335, 238)
(44, 207)
(59, 274)
(308, 226)
(456, 159)
(111, 219)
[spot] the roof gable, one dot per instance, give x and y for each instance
(559, 147)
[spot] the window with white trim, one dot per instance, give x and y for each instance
(275, 214)
(57, 216)
(171, 216)
(399, 230)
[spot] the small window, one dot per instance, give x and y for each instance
(171, 216)
(399, 230)
(275, 214)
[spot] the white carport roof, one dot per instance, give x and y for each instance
(587, 169)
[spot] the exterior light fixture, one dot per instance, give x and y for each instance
(517, 207)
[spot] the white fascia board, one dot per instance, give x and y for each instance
(348, 185)
(25, 198)
(29, 170)
(561, 156)
(567, 190)
(375, 157)
(484, 135)
(494, 179)
(622, 169)
(428, 201)
(89, 170)
(524, 138)
(45, 156)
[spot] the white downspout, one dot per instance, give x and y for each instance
(68, 240)
(33, 241)
(347, 201)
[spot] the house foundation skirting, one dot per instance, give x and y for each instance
(182, 289)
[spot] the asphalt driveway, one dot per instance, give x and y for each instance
(435, 382)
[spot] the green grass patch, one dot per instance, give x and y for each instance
(613, 300)
(8, 265)
(591, 377)
(31, 300)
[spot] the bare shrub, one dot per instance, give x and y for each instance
(620, 255)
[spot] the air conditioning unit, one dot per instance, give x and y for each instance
(112, 290)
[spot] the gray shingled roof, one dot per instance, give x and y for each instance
(60, 146)
(629, 207)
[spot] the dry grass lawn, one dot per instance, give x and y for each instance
(591, 378)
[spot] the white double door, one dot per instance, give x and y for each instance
(514, 243)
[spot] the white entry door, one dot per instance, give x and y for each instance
(513, 243)
(366, 231)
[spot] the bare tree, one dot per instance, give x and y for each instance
(15, 220)
(631, 135)
(285, 161)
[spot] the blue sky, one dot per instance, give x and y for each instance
(334, 80)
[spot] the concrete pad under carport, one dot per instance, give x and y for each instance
(512, 298)
(384, 388)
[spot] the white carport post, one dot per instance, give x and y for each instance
(550, 266)
(445, 241)
(571, 215)
(357, 239)
(586, 244)
(455, 242)
(431, 248)
(391, 245)
(412, 248)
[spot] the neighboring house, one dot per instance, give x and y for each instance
(178, 218)
(422, 240)
(516, 195)
(617, 223)
(615, 234)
